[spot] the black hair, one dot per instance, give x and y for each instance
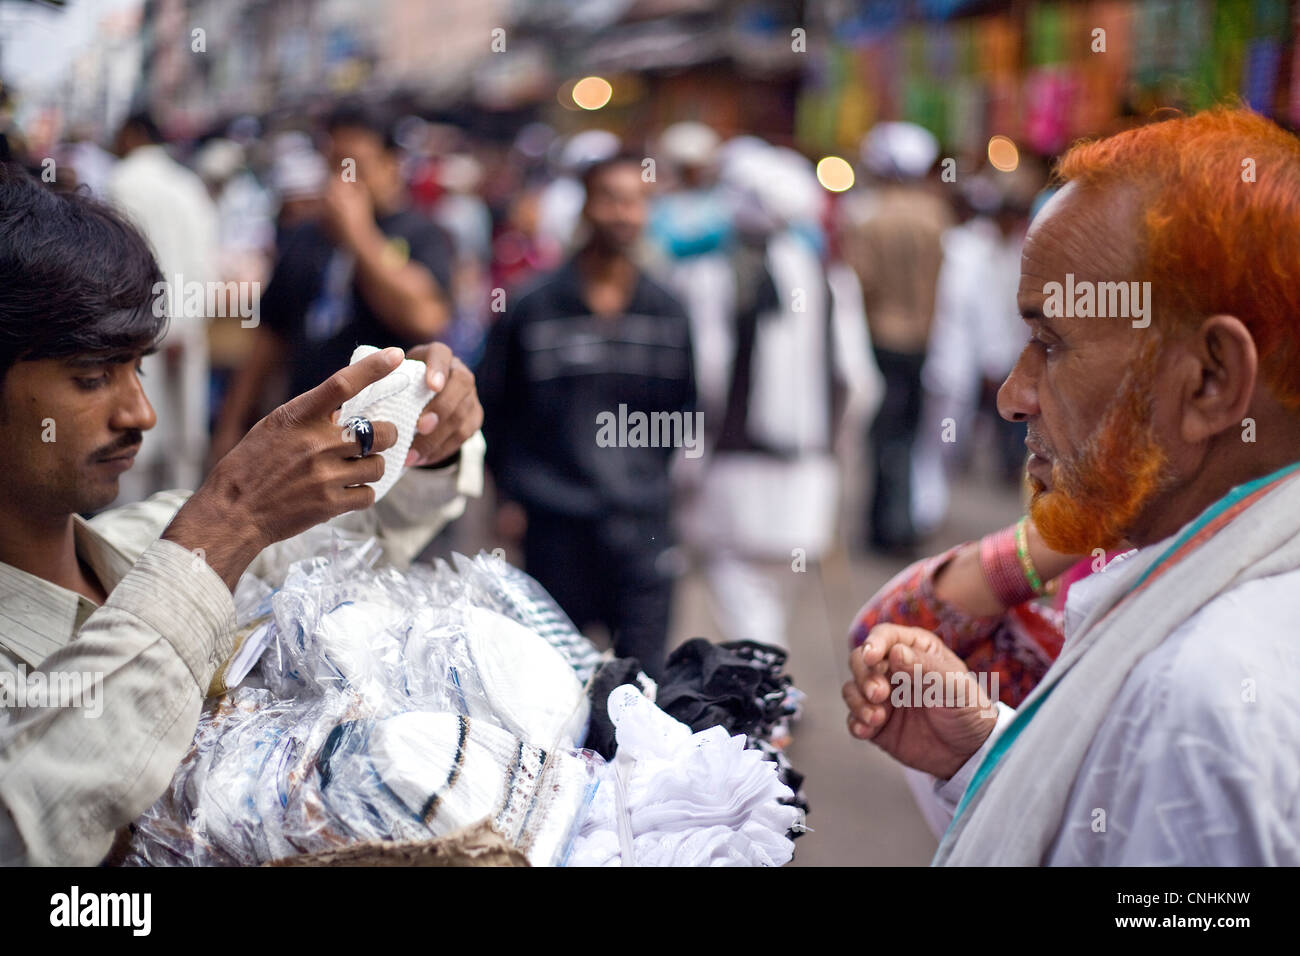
(75, 277)
(142, 122)
(598, 168)
(352, 114)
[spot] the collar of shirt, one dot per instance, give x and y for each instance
(573, 292)
(1119, 574)
(1086, 593)
(38, 617)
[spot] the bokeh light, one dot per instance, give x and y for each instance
(1003, 154)
(592, 92)
(835, 174)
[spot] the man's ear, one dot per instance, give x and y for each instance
(1225, 368)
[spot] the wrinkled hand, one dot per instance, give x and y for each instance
(294, 469)
(937, 740)
(452, 415)
(223, 440)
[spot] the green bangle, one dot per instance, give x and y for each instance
(1026, 562)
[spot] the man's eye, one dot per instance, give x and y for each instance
(139, 370)
(90, 384)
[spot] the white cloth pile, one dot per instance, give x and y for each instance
(673, 798)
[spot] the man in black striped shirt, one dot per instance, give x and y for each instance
(595, 335)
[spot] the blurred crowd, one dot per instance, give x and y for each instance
(841, 350)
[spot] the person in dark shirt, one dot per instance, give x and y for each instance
(373, 271)
(573, 358)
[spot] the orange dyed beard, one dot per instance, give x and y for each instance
(1098, 493)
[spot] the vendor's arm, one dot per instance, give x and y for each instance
(415, 509)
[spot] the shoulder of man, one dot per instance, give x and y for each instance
(535, 296)
(1228, 673)
(1196, 757)
(413, 226)
(132, 528)
(417, 237)
(301, 238)
(304, 250)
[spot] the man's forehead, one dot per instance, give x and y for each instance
(1089, 232)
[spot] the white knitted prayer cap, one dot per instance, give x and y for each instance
(399, 397)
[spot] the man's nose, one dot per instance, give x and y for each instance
(1018, 396)
(133, 410)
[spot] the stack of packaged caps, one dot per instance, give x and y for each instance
(367, 705)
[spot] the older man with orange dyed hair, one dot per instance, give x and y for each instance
(1165, 732)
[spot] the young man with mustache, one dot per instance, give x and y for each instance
(1164, 732)
(140, 597)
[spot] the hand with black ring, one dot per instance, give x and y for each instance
(294, 469)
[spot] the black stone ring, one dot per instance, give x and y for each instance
(363, 432)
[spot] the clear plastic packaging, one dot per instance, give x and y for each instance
(492, 582)
(387, 706)
(269, 779)
(401, 706)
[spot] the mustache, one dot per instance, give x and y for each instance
(130, 439)
(1039, 441)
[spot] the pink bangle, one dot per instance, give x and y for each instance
(1002, 570)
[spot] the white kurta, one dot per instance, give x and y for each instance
(747, 511)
